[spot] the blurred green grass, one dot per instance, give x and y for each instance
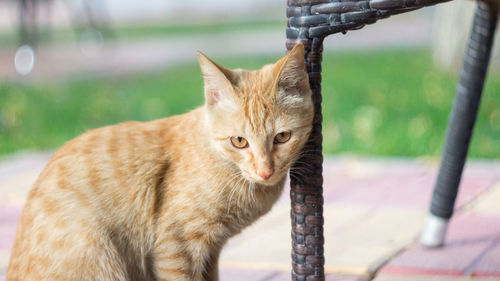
(390, 102)
(10, 38)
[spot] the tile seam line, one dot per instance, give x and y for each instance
(415, 271)
(465, 207)
(373, 271)
(469, 269)
(270, 276)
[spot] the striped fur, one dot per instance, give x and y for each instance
(158, 200)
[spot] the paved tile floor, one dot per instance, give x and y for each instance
(374, 210)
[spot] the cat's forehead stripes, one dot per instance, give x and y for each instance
(258, 101)
(257, 114)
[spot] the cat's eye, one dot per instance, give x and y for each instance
(282, 137)
(239, 142)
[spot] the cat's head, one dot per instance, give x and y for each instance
(259, 120)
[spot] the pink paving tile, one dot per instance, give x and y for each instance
(401, 183)
(405, 190)
(245, 274)
(469, 238)
(9, 218)
(476, 180)
(329, 277)
(345, 187)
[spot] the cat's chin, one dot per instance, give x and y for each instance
(270, 182)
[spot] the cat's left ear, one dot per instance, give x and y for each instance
(292, 80)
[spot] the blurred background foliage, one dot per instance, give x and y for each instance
(388, 101)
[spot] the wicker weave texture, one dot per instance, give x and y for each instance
(306, 184)
(319, 18)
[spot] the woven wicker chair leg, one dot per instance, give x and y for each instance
(461, 123)
(306, 183)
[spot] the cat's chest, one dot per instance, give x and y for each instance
(218, 196)
(240, 205)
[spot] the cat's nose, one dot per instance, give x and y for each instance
(266, 173)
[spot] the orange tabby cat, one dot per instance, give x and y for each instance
(158, 200)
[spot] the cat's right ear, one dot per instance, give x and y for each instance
(216, 78)
(292, 79)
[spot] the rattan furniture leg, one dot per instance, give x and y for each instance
(306, 182)
(461, 123)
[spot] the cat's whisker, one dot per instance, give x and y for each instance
(306, 153)
(228, 205)
(298, 173)
(301, 169)
(236, 186)
(227, 182)
(248, 189)
(244, 187)
(252, 186)
(294, 177)
(301, 160)
(231, 194)
(238, 197)
(308, 168)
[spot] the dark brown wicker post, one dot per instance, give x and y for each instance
(310, 21)
(306, 186)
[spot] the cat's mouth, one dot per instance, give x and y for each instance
(272, 180)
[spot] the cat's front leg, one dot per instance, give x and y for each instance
(173, 263)
(179, 259)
